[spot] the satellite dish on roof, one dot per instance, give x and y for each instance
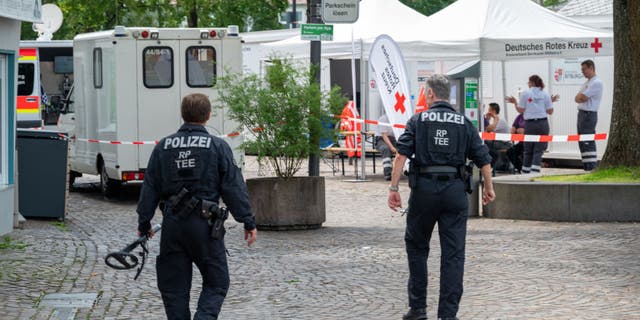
(51, 22)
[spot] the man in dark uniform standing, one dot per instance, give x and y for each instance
(440, 140)
(187, 174)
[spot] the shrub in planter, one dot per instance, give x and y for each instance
(283, 112)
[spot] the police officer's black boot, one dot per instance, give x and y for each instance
(415, 314)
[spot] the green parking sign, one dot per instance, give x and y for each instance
(317, 32)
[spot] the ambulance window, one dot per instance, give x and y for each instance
(26, 72)
(201, 66)
(97, 68)
(157, 67)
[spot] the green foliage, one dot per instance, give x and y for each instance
(553, 3)
(264, 14)
(610, 175)
(427, 7)
(8, 243)
(61, 225)
(280, 110)
(94, 15)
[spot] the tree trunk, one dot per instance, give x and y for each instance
(623, 148)
(192, 17)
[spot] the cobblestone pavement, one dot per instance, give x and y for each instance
(352, 268)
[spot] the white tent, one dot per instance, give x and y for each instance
(515, 29)
(528, 37)
(467, 29)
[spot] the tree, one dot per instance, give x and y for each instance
(427, 7)
(553, 3)
(261, 15)
(623, 148)
(93, 15)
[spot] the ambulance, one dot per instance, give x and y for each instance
(45, 79)
(129, 83)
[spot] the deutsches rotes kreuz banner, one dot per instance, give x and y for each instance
(535, 48)
(390, 73)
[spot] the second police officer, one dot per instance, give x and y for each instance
(187, 174)
(440, 141)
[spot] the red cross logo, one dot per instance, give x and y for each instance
(530, 100)
(399, 106)
(596, 45)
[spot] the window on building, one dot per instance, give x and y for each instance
(4, 75)
(157, 67)
(285, 18)
(201, 66)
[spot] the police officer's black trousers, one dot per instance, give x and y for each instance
(587, 125)
(183, 242)
(445, 203)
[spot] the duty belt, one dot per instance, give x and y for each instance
(438, 169)
(440, 173)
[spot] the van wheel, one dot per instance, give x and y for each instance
(109, 187)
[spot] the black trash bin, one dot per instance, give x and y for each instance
(42, 173)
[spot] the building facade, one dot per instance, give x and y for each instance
(594, 13)
(287, 17)
(12, 13)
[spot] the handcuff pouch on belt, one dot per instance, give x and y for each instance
(215, 216)
(182, 204)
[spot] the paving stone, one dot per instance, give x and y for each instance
(354, 267)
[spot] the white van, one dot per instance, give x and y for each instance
(129, 83)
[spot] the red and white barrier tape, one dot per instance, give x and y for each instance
(116, 142)
(506, 136)
(491, 136)
(230, 135)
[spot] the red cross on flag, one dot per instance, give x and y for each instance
(390, 74)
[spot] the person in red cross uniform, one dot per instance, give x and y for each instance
(535, 104)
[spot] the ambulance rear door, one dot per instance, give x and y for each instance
(28, 99)
(203, 62)
(158, 93)
(200, 64)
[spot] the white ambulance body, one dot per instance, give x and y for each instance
(129, 83)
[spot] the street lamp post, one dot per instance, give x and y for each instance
(314, 136)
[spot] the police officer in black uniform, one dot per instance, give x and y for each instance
(440, 140)
(187, 174)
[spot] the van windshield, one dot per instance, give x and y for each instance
(26, 73)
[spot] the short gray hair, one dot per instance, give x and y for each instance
(440, 85)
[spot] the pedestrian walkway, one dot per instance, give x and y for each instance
(352, 268)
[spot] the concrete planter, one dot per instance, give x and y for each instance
(574, 202)
(288, 204)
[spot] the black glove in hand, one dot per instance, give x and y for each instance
(144, 228)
